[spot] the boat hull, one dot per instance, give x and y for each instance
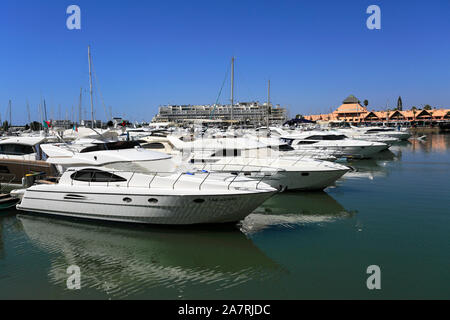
(360, 152)
(147, 208)
(302, 180)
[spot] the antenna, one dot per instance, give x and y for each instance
(10, 121)
(45, 111)
(80, 116)
(268, 104)
(232, 88)
(90, 86)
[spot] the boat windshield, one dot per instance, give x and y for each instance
(117, 145)
(327, 137)
(16, 149)
(146, 166)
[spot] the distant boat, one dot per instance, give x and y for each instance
(21, 156)
(6, 201)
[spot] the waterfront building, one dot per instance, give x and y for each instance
(252, 113)
(351, 111)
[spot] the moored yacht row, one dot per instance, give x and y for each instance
(176, 177)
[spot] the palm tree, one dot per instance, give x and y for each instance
(414, 110)
(366, 103)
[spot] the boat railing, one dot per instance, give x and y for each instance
(242, 172)
(241, 168)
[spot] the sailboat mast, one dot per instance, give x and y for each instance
(232, 88)
(45, 111)
(28, 111)
(10, 121)
(268, 104)
(90, 87)
(79, 107)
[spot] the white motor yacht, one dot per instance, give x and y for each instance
(254, 159)
(21, 156)
(339, 144)
(160, 198)
(402, 134)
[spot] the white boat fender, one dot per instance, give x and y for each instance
(17, 193)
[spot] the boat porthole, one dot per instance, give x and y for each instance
(305, 174)
(153, 200)
(95, 158)
(127, 200)
(199, 200)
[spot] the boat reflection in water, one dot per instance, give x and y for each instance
(125, 261)
(375, 167)
(290, 209)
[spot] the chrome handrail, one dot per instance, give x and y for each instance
(153, 175)
(200, 186)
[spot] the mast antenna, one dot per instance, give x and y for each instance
(90, 86)
(232, 88)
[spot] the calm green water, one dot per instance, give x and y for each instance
(393, 212)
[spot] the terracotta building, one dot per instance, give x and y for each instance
(352, 111)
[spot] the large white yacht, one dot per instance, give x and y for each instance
(253, 159)
(355, 133)
(339, 144)
(402, 134)
(160, 198)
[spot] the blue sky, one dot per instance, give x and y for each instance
(150, 53)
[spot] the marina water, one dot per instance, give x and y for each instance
(392, 211)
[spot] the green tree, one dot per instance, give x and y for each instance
(299, 116)
(5, 126)
(35, 126)
(366, 103)
(427, 107)
(110, 124)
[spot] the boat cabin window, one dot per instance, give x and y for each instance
(288, 141)
(227, 153)
(377, 130)
(282, 147)
(306, 142)
(94, 175)
(118, 145)
(153, 145)
(16, 149)
(327, 137)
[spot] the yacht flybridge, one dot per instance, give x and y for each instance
(118, 155)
